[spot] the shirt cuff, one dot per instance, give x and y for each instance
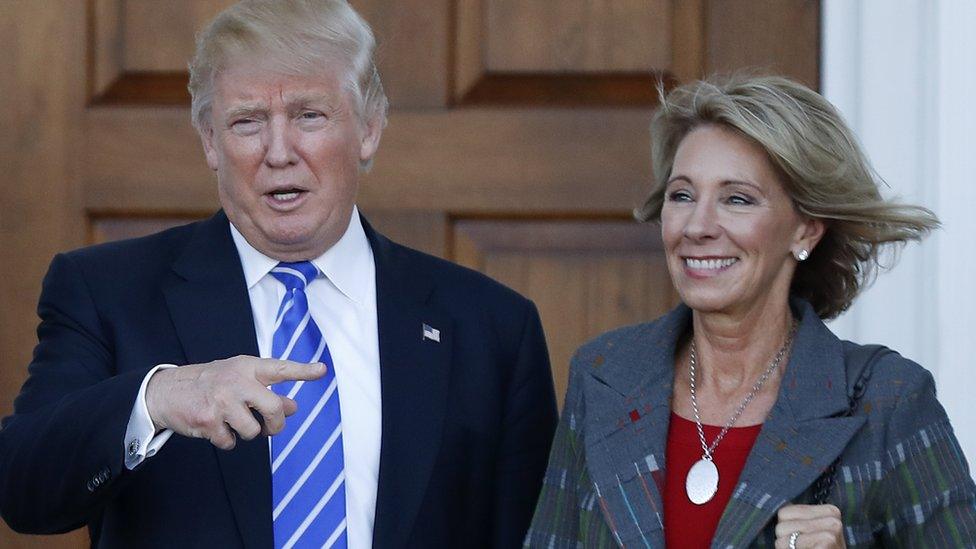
(141, 440)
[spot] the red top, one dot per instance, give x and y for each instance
(687, 525)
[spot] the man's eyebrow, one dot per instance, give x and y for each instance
(304, 99)
(244, 109)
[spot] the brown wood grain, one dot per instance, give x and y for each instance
(413, 49)
(586, 274)
(531, 182)
(104, 44)
(577, 36)
(568, 90)
(764, 36)
(140, 49)
(160, 36)
(146, 88)
(43, 89)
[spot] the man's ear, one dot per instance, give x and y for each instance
(207, 137)
(372, 130)
(808, 235)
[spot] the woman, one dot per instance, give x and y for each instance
(718, 424)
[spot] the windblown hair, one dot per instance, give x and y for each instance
(822, 168)
(298, 37)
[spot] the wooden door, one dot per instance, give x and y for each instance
(517, 142)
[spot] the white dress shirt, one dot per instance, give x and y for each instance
(342, 301)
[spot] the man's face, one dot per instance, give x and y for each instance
(287, 151)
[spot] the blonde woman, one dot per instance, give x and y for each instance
(738, 419)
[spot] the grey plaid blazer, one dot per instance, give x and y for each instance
(902, 478)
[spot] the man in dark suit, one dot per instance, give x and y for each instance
(280, 374)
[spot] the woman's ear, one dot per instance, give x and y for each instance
(808, 235)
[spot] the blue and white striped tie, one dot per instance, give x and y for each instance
(307, 477)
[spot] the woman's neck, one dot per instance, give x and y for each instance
(733, 350)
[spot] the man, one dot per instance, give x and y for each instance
(430, 421)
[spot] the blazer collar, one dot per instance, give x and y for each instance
(805, 431)
(209, 305)
(414, 374)
(628, 395)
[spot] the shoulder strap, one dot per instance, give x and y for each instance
(860, 365)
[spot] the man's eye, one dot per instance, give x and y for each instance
(245, 126)
(311, 115)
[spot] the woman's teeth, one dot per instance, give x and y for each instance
(709, 264)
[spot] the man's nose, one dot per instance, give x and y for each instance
(703, 221)
(279, 147)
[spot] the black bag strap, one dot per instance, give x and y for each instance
(860, 365)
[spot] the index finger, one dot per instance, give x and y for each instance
(270, 371)
(794, 512)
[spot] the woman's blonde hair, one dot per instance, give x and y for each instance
(299, 37)
(822, 169)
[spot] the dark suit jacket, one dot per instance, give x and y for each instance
(467, 422)
(902, 480)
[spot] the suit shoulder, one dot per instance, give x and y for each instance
(160, 246)
(461, 283)
(892, 375)
(899, 398)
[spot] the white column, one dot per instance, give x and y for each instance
(902, 72)
(955, 271)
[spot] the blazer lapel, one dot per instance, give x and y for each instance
(414, 374)
(804, 432)
(627, 416)
(209, 304)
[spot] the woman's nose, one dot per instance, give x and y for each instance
(703, 222)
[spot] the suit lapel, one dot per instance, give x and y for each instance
(627, 416)
(414, 374)
(210, 308)
(802, 435)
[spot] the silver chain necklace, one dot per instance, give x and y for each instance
(702, 480)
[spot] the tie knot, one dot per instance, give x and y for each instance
(295, 275)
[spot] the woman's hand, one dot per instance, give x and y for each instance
(818, 526)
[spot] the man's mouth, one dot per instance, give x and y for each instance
(286, 195)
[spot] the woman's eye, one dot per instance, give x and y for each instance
(740, 200)
(679, 196)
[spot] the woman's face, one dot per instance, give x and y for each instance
(728, 226)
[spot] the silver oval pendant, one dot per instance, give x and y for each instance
(702, 481)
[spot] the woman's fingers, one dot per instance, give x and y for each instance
(817, 526)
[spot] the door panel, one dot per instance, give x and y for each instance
(517, 141)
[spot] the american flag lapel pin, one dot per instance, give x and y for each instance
(432, 334)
